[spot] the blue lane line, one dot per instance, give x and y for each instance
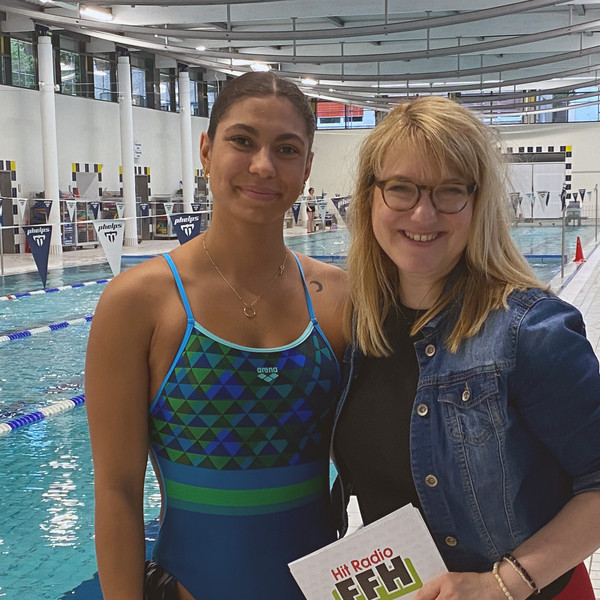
(17, 335)
(41, 414)
(52, 290)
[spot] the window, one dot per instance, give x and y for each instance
(5, 76)
(138, 86)
(22, 59)
(102, 79)
(587, 97)
(167, 91)
(70, 73)
(335, 115)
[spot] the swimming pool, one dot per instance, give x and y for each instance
(46, 530)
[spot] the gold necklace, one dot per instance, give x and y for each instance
(249, 309)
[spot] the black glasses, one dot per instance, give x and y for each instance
(447, 198)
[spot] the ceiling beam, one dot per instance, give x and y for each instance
(304, 35)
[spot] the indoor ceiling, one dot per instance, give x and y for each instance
(363, 52)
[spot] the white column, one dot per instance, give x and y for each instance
(127, 160)
(185, 121)
(49, 143)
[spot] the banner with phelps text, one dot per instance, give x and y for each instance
(38, 238)
(390, 558)
(110, 233)
(186, 226)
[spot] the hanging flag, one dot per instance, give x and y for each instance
(296, 211)
(515, 201)
(531, 197)
(22, 205)
(38, 238)
(196, 206)
(144, 208)
(71, 209)
(95, 206)
(48, 207)
(336, 201)
(110, 233)
(322, 204)
(186, 226)
(563, 196)
(169, 207)
(582, 194)
(120, 209)
(544, 198)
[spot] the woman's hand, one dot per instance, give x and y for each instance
(462, 586)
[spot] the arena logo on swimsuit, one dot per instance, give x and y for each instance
(380, 576)
(267, 374)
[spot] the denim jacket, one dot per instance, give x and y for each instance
(503, 432)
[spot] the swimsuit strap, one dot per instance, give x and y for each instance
(182, 294)
(186, 304)
(311, 312)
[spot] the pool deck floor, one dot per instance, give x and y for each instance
(582, 289)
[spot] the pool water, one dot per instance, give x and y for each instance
(46, 530)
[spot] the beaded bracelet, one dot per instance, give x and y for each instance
(500, 582)
(525, 576)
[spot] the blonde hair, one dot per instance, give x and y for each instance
(447, 137)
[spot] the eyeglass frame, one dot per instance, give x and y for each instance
(471, 189)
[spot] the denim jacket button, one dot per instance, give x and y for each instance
(430, 350)
(431, 480)
(451, 541)
(422, 410)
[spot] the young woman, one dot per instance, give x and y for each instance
(311, 208)
(221, 358)
(471, 392)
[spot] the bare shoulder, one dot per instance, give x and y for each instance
(139, 287)
(133, 301)
(328, 288)
(324, 278)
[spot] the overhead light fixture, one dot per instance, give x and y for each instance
(308, 81)
(201, 48)
(262, 67)
(95, 13)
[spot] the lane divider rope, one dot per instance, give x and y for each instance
(51, 290)
(41, 414)
(17, 335)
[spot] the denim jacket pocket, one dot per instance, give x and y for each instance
(470, 406)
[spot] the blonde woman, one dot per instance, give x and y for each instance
(470, 390)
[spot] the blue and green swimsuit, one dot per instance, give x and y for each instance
(240, 437)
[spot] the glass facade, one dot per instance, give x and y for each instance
(22, 64)
(95, 76)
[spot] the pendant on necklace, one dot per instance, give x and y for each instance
(249, 311)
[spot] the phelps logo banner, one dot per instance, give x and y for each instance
(544, 197)
(110, 234)
(322, 204)
(38, 238)
(296, 211)
(71, 209)
(391, 558)
(95, 206)
(186, 226)
(48, 207)
(22, 204)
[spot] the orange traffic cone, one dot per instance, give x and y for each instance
(579, 252)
